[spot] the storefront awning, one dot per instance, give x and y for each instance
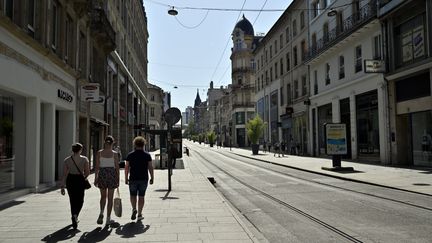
(98, 121)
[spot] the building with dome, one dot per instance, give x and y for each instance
(242, 93)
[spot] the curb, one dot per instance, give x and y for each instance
(333, 176)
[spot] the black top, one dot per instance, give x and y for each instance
(138, 165)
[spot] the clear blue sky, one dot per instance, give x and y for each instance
(188, 58)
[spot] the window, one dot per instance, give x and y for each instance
(152, 98)
(31, 17)
(315, 82)
(326, 32)
(276, 46)
(262, 80)
(295, 55)
(281, 41)
(327, 77)
(9, 6)
(288, 93)
(296, 91)
(271, 51)
(358, 59)
(302, 20)
(271, 74)
(341, 67)
(294, 27)
(267, 77)
(304, 85)
(287, 35)
(288, 61)
(82, 53)
(266, 56)
(303, 50)
(54, 26)
(258, 65)
(262, 60)
(324, 4)
(68, 40)
(276, 70)
(281, 96)
(152, 111)
(281, 66)
(377, 47)
(339, 22)
(411, 40)
(257, 84)
(315, 8)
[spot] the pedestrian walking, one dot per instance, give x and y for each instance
(137, 169)
(283, 147)
(75, 170)
(265, 146)
(276, 149)
(269, 146)
(107, 178)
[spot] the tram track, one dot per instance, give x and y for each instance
(327, 226)
(243, 160)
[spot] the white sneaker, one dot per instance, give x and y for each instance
(140, 217)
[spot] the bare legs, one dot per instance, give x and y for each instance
(104, 194)
(133, 200)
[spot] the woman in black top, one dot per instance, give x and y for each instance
(75, 167)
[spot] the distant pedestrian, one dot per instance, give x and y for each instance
(137, 169)
(276, 149)
(107, 177)
(174, 155)
(265, 146)
(75, 170)
(269, 145)
(283, 147)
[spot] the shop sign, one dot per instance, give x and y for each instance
(335, 137)
(90, 92)
(64, 95)
(374, 66)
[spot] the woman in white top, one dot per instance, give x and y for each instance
(107, 177)
(75, 167)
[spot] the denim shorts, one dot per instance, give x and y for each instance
(138, 188)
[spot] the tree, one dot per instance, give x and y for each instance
(211, 136)
(255, 129)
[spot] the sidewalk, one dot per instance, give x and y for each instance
(192, 212)
(415, 180)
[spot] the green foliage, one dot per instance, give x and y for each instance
(255, 128)
(211, 137)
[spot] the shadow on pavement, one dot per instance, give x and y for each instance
(10, 204)
(96, 235)
(167, 197)
(132, 229)
(60, 235)
(349, 172)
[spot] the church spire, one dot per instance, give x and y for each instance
(197, 99)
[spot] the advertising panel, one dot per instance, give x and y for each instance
(336, 143)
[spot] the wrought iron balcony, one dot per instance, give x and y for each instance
(101, 28)
(243, 104)
(365, 14)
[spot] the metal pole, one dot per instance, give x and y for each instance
(169, 157)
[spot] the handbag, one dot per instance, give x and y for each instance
(86, 183)
(118, 204)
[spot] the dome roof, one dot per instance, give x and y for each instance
(245, 26)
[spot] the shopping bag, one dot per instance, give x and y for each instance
(117, 204)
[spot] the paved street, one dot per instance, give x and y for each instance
(192, 212)
(292, 205)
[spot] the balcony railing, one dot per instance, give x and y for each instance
(243, 104)
(350, 25)
(101, 28)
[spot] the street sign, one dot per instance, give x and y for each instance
(90, 92)
(172, 116)
(374, 66)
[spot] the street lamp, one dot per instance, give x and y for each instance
(172, 11)
(332, 12)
